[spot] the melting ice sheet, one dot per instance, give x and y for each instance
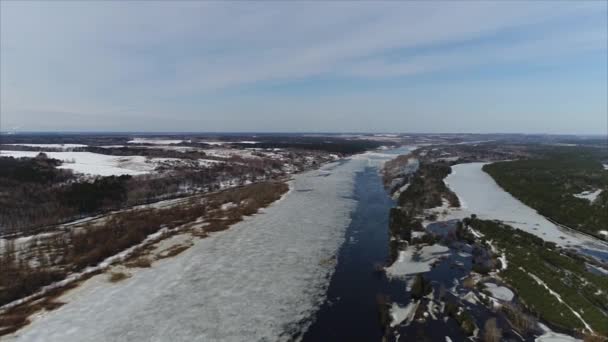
(262, 279)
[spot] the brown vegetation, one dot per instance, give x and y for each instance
(521, 321)
(73, 251)
(17, 317)
(35, 195)
(468, 282)
(115, 277)
(173, 251)
(491, 332)
(594, 338)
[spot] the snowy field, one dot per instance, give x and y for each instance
(94, 163)
(479, 194)
(66, 147)
(260, 280)
(154, 141)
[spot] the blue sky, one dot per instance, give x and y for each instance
(454, 66)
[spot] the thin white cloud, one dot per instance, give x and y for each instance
(95, 57)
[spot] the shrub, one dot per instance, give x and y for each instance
(421, 287)
(117, 276)
(491, 332)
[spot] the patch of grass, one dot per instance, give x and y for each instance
(18, 317)
(173, 251)
(563, 273)
(141, 262)
(115, 277)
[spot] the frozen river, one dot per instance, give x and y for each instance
(262, 279)
(479, 194)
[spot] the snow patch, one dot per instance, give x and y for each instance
(588, 195)
(95, 163)
(503, 261)
(400, 314)
(229, 205)
(550, 336)
(411, 261)
(499, 292)
(555, 337)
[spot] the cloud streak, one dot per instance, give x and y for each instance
(136, 57)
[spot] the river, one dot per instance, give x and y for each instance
(350, 311)
(261, 279)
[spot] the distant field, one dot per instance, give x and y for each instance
(567, 184)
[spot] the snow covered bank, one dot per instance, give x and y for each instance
(555, 337)
(488, 200)
(262, 279)
(550, 336)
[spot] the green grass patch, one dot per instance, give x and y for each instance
(565, 274)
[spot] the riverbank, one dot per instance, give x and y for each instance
(452, 272)
(283, 255)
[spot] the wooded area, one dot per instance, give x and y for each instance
(548, 183)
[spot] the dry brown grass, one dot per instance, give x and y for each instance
(172, 251)
(491, 332)
(199, 233)
(89, 245)
(115, 277)
(141, 262)
(18, 317)
(469, 283)
(521, 321)
(594, 338)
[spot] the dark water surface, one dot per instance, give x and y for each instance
(350, 312)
